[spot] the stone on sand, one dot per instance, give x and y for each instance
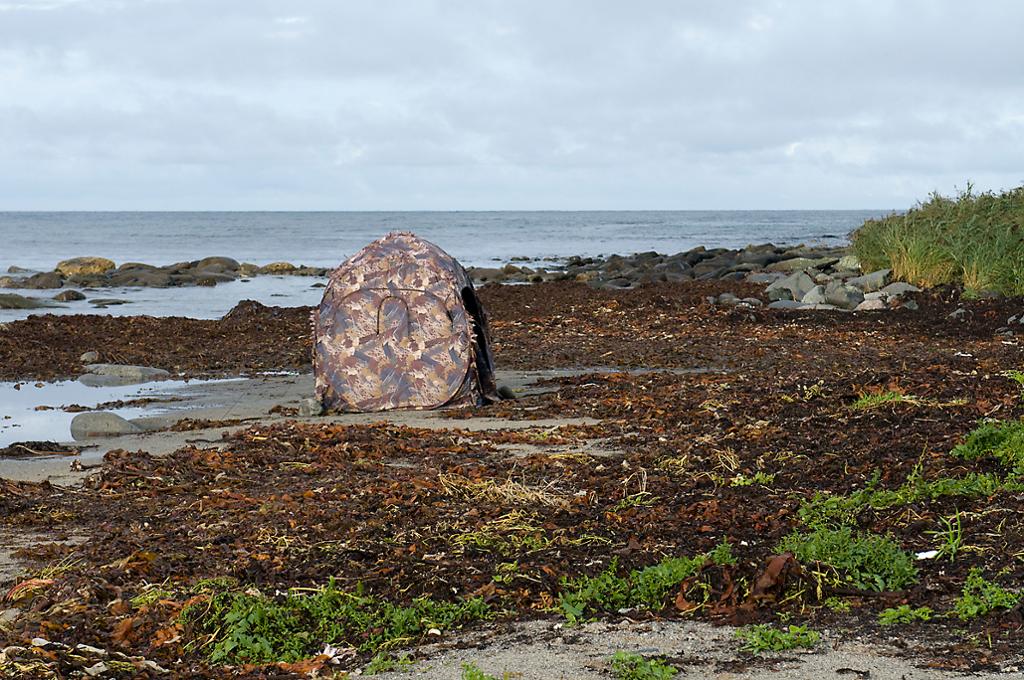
(101, 424)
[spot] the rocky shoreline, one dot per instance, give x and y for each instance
(99, 272)
(799, 277)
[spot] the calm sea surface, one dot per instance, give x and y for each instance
(38, 240)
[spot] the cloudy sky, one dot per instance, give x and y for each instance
(505, 104)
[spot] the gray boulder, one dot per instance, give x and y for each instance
(69, 296)
(218, 264)
(897, 288)
(101, 424)
(815, 296)
(871, 282)
(12, 301)
(793, 287)
(43, 280)
(870, 305)
(796, 263)
(843, 295)
(849, 263)
(112, 375)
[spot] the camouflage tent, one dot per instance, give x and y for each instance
(400, 327)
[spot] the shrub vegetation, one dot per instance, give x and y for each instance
(973, 240)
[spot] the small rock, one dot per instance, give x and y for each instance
(871, 282)
(752, 301)
(14, 269)
(111, 375)
(957, 314)
(727, 299)
(506, 392)
(849, 263)
(897, 288)
(909, 304)
(79, 266)
(785, 304)
(843, 295)
(801, 263)
(870, 305)
(101, 424)
(278, 268)
(107, 302)
(815, 296)
(793, 287)
(9, 282)
(310, 407)
(69, 296)
(765, 277)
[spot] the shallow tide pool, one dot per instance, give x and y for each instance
(22, 419)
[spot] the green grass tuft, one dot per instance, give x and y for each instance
(973, 240)
(765, 638)
(863, 561)
(867, 402)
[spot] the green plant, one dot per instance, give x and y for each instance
(826, 510)
(627, 666)
(973, 240)
(470, 671)
(762, 478)
(951, 536)
(383, 662)
(765, 638)
(837, 604)
(979, 597)
(1017, 377)
(640, 499)
(247, 627)
(864, 561)
(904, 614)
(648, 587)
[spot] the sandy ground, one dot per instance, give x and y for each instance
(544, 650)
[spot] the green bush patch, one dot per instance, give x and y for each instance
(827, 510)
(765, 638)
(973, 240)
(646, 588)
(863, 561)
(1002, 440)
(253, 628)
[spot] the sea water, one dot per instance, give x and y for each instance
(38, 240)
